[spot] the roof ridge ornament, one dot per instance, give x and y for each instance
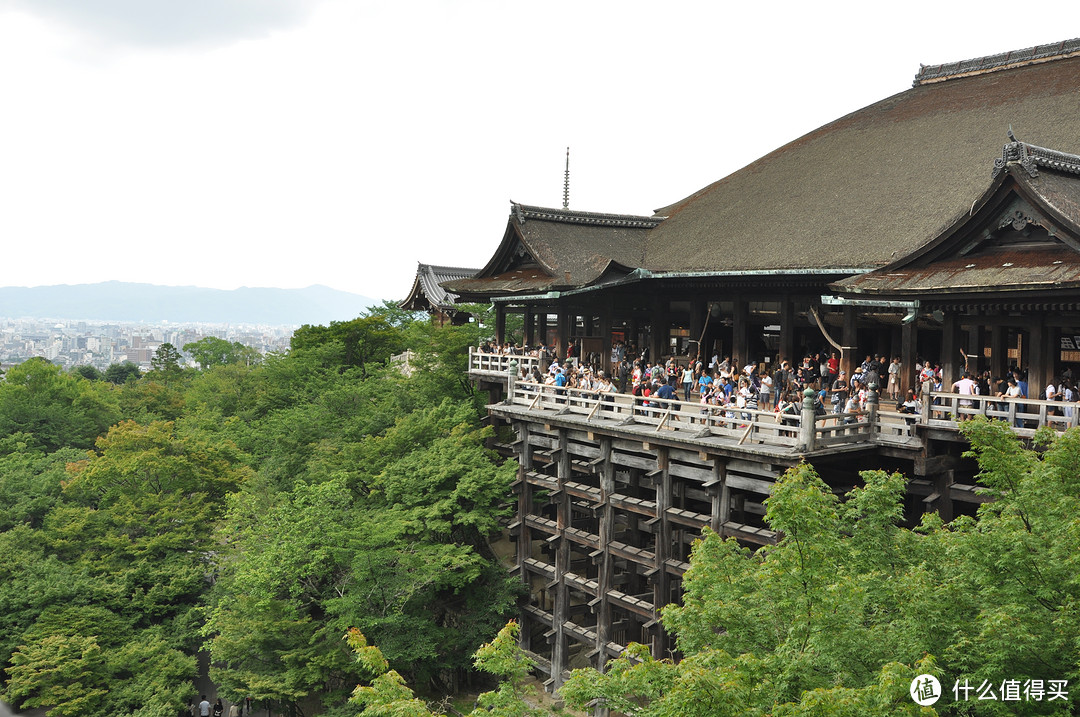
(1031, 158)
(991, 63)
(573, 216)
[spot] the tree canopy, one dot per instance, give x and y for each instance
(263, 509)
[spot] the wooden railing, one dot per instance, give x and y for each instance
(1025, 415)
(488, 364)
(744, 426)
(765, 428)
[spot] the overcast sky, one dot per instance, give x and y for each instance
(284, 143)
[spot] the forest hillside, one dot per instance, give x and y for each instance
(319, 523)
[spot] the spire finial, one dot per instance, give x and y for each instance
(566, 182)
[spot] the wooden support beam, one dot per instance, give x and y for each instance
(787, 330)
(661, 548)
(951, 351)
(849, 359)
(740, 331)
(908, 352)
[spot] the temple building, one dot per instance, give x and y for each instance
(427, 293)
(941, 224)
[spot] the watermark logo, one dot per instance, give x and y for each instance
(925, 690)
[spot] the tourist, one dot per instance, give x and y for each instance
(833, 368)
(894, 379)
(687, 381)
(840, 392)
(966, 386)
(765, 392)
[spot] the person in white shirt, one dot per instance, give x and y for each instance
(966, 386)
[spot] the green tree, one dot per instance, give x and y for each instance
(354, 344)
(388, 695)
(119, 373)
(88, 372)
(114, 577)
(52, 409)
(213, 351)
(165, 362)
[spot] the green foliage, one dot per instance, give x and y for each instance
(264, 507)
(166, 360)
(52, 409)
(503, 658)
(212, 351)
(110, 580)
(388, 695)
(90, 373)
(353, 344)
(120, 373)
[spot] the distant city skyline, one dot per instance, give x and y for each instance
(228, 143)
(100, 343)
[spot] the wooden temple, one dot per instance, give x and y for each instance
(428, 294)
(918, 227)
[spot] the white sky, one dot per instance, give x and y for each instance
(227, 143)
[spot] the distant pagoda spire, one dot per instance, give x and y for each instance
(566, 182)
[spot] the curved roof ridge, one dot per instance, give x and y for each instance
(573, 216)
(992, 63)
(443, 269)
(1032, 157)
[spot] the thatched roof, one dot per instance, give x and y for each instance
(876, 184)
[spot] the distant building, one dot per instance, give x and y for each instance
(428, 295)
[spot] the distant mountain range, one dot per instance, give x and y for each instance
(149, 303)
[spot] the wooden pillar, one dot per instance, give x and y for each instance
(1053, 353)
(908, 351)
(896, 341)
(562, 333)
(561, 613)
(1038, 358)
(951, 366)
(787, 330)
(740, 331)
(524, 538)
(605, 337)
(698, 311)
(658, 346)
(500, 323)
(943, 483)
(528, 329)
(607, 563)
(999, 350)
(660, 580)
(850, 358)
(974, 350)
(721, 496)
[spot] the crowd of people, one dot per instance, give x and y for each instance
(725, 383)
